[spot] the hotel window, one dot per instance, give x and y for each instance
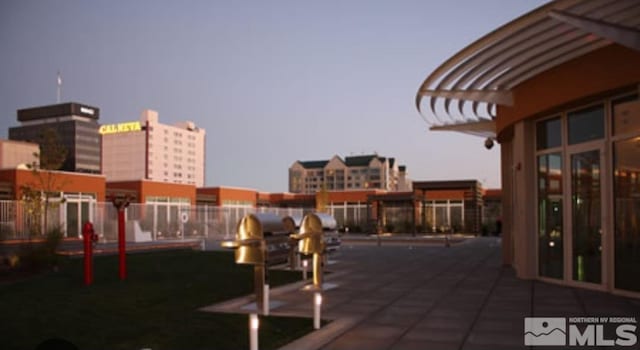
(550, 205)
(626, 190)
(549, 133)
(550, 219)
(586, 124)
(626, 115)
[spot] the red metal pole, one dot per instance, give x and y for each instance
(87, 236)
(121, 246)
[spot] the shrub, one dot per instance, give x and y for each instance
(36, 256)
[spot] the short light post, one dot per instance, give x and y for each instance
(254, 324)
(305, 264)
(317, 307)
(311, 242)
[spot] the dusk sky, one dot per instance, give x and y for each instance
(272, 82)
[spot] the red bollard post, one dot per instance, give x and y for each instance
(122, 257)
(88, 237)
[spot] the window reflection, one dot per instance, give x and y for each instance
(626, 115)
(550, 253)
(586, 125)
(627, 213)
(549, 133)
(586, 216)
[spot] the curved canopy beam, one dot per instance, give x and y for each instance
(623, 35)
(482, 75)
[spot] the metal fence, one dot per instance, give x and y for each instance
(351, 216)
(144, 222)
(170, 220)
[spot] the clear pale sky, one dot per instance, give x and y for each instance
(272, 82)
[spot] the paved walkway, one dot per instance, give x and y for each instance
(432, 297)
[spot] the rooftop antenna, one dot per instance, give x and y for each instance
(59, 86)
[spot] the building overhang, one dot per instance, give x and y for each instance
(462, 94)
(482, 128)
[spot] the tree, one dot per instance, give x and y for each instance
(322, 199)
(47, 183)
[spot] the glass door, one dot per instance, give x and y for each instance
(73, 221)
(586, 216)
(627, 213)
(550, 218)
(79, 209)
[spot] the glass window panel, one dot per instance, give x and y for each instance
(550, 238)
(84, 212)
(627, 214)
(338, 214)
(626, 115)
(72, 219)
(442, 219)
(549, 133)
(456, 218)
(586, 125)
(429, 217)
(586, 216)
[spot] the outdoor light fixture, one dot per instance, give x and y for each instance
(488, 143)
(304, 269)
(254, 324)
(317, 304)
(265, 302)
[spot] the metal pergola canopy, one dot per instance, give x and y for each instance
(462, 94)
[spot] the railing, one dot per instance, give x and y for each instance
(144, 222)
(151, 221)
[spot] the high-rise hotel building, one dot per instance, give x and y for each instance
(147, 149)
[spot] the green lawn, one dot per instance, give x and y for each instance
(155, 308)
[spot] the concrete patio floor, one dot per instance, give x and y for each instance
(432, 297)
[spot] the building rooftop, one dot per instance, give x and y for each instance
(58, 110)
(458, 297)
(314, 164)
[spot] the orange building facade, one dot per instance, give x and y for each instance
(573, 148)
(559, 89)
(158, 207)
(74, 197)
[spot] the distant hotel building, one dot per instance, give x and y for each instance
(77, 127)
(351, 173)
(149, 150)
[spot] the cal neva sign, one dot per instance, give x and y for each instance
(580, 331)
(119, 128)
